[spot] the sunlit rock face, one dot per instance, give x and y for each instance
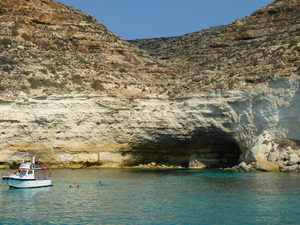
(258, 48)
(80, 96)
(87, 130)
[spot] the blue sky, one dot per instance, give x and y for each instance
(137, 19)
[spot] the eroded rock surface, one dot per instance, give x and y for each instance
(80, 96)
(270, 154)
(214, 128)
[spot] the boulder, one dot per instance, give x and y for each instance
(293, 159)
(244, 166)
(266, 166)
(261, 147)
(280, 164)
(195, 164)
(289, 168)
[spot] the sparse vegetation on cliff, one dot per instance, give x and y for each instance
(4, 59)
(26, 37)
(244, 53)
(97, 86)
(204, 95)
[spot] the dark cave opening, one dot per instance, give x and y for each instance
(211, 146)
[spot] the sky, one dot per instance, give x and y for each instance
(139, 19)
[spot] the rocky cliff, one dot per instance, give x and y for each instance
(80, 96)
(258, 48)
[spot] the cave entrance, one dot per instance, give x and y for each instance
(212, 147)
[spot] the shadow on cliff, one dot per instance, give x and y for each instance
(290, 117)
(210, 146)
(288, 125)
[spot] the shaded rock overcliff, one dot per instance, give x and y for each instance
(80, 96)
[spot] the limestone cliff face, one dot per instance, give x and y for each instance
(213, 128)
(80, 96)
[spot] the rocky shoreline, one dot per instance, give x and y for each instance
(270, 154)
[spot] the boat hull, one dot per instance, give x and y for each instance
(27, 183)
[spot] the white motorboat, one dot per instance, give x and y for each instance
(29, 175)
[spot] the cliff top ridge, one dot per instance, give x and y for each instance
(47, 47)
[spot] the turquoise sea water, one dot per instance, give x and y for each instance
(156, 197)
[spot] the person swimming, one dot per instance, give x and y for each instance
(74, 186)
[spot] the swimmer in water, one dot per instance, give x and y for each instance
(74, 186)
